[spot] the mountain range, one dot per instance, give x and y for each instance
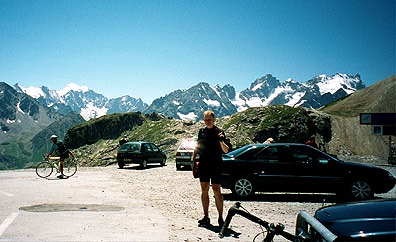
(188, 104)
(29, 115)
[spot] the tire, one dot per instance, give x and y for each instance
(69, 167)
(44, 169)
(178, 167)
(243, 188)
(360, 190)
(121, 164)
(144, 164)
(163, 161)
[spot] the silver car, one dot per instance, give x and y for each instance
(184, 153)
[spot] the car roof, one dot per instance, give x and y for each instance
(369, 218)
(137, 142)
(274, 144)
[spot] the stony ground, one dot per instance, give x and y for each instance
(177, 195)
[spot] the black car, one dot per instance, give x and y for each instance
(141, 153)
(372, 220)
(292, 167)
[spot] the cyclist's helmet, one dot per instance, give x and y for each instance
(53, 137)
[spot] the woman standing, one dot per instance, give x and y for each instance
(210, 147)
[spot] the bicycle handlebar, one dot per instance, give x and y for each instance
(272, 229)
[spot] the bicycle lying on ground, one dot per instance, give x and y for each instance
(45, 168)
(304, 220)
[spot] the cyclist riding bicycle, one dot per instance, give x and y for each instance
(59, 149)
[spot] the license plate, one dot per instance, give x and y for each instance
(127, 159)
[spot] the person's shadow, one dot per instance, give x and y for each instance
(216, 229)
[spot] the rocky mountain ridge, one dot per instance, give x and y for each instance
(82, 100)
(338, 128)
(187, 104)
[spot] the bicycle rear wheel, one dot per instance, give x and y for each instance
(44, 169)
(69, 167)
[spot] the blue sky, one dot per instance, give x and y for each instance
(147, 49)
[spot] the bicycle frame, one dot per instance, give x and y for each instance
(304, 222)
(272, 229)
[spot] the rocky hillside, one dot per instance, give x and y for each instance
(283, 123)
(351, 138)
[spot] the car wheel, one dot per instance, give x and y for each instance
(243, 187)
(360, 190)
(121, 164)
(178, 167)
(163, 161)
(144, 164)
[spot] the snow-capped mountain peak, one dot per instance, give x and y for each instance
(188, 104)
(72, 87)
(81, 99)
(34, 92)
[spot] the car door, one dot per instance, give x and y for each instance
(315, 170)
(276, 171)
(156, 153)
(147, 152)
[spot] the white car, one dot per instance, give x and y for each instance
(184, 153)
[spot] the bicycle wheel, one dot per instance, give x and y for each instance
(44, 169)
(69, 167)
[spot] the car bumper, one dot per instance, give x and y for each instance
(385, 185)
(183, 161)
(129, 160)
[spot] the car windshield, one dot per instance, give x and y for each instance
(241, 150)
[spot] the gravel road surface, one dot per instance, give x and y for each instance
(131, 204)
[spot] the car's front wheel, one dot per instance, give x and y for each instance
(121, 164)
(243, 187)
(360, 190)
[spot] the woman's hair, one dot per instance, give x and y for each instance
(209, 112)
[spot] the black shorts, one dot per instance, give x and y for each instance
(64, 155)
(210, 174)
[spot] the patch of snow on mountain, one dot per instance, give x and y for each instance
(212, 102)
(19, 108)
(257, 86)
(273, 95)
(189, 116)
(238, 101)
(176, 102)
(331, 85)
(91, 111)
(34, 92)
(294, 99)
(73, 87)
(254, 102)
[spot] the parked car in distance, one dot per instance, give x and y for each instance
(370, 220)
(184, 153)
(141, 153)
(292, 167)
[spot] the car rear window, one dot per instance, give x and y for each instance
(130, 147)
(187, 145)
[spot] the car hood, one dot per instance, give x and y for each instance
(376, 218)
